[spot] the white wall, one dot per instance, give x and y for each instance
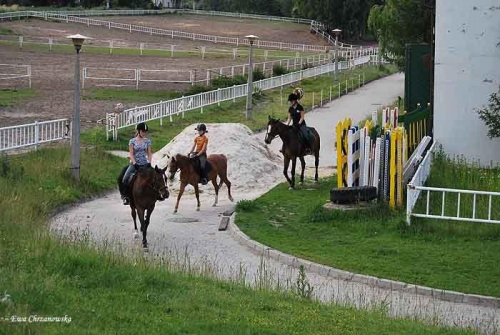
(467, 71)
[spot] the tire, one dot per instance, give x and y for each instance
(352, 195)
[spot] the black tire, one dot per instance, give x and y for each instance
(352, 195)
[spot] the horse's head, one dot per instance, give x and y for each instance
(272, 130)
(160, 184)
(172, 167)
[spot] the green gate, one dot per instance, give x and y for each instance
(417, 76)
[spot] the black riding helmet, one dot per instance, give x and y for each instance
(142, 126)
(202, 127)
(293, 97)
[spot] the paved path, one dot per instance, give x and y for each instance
(194, 235)
(356, 105)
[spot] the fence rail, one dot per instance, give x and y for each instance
(130, 117)
(78, 17)
(33, 134)
(12, 71)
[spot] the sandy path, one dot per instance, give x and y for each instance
(196, 234)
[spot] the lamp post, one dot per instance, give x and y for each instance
(336, 32)
(251, 39)
(75, 129)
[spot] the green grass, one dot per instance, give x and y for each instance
(129, 95)
(5, 31)
(10, 97)
(272, 102)
(459, 257)
(107, 293)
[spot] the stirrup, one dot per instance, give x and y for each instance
(204, 181)
(126, 201)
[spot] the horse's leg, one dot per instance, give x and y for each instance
(140, 213)
(146, 225)
(223, 179)
(316, 164)
(181, 191)
(216, 187)
(294, 163)
(303, 163)
(197, 192)
(134, 216)
(285, 169)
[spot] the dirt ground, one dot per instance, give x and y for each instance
(53, 72)
(53, 82)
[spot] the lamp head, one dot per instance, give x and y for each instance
(252, 38)
(336, 31)
(77, 40)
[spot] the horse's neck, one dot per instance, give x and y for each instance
(183, 162)
(283, 132)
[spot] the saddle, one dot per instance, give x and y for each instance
(310, 137)
(197, 166)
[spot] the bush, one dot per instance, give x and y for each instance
(279, 70)
(222, 82)
(198, 88)
(491, 115)
(258, 75)
(246, 206)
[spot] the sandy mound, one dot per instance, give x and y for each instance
(251, 165)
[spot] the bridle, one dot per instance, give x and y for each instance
(267, 134)
(157, 187)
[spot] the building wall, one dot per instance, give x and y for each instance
(467, 71)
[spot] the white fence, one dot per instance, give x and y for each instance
(33, 134)
(416, 187)
(10, 72)
(133, 77)
(178, 106)
(75, 17)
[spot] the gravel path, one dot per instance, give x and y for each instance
(194, 235)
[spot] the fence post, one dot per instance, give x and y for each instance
(161, 113)
(192, 77)
(340, 91)
(346, 86)
(37, 133)
(208, 77)
(29, 75)
(130, 28)
(330, 93)
(218, 97)
(137, 78)
(203, 49)
(110, 47)
(183, 107)
(237, 41)
(313, 101)
(21, 42)
(232, 71)
(141, 46)
(321, 98)
(50, 44)
(235, 52)
(234, 93)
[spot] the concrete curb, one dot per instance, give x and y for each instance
(327, 271)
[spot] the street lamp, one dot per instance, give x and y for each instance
(251, 39)
(75, 129)
(336, 32)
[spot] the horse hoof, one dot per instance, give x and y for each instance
(231, 199)
(136, 235)
(197, 209)
(214, 205)
(145, 249)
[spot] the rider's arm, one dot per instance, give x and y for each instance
(131, 154)
(150, 155)
(302, 115)
(192, 149)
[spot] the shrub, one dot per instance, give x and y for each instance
(198, 88)
(491, 115)
(279, 70)
(246, 206)
(223, 81)
(258, 75)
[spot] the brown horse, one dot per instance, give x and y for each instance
(293, 148)
(149, 186)
(190, 176)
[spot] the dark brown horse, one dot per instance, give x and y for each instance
(293, 148)
(149, 186)
(190, 176)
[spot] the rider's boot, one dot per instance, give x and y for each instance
(126, 194)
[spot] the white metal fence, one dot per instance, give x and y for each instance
(76, 17)
(12, 72)
(133, 77)
(178, 106)
(33, 134)
(462, 209)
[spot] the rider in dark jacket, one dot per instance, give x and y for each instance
(296, 115)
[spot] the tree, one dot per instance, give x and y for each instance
(491, 115)
(399, 22)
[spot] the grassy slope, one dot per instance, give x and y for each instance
(269, 104)
(106, 293)
(449, 255)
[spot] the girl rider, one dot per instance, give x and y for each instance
(139, 152)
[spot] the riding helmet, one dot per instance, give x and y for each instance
(142, 126)
(292, 97)
(202, 127)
